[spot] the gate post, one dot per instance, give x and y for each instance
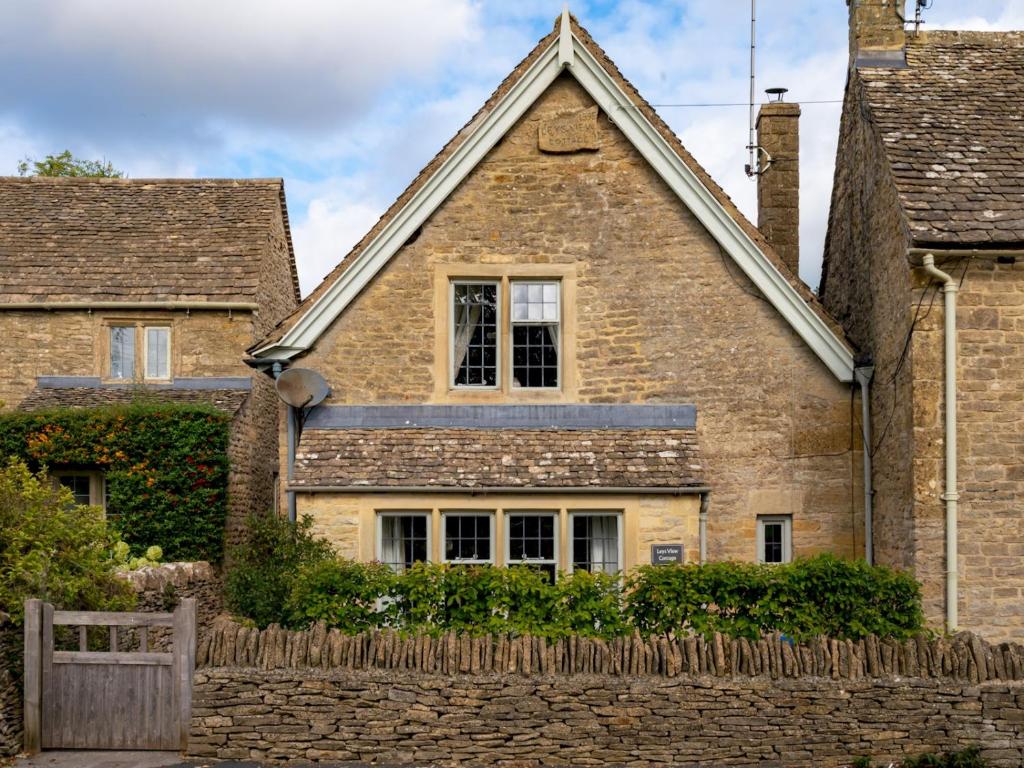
(184, 648)
(33, 680)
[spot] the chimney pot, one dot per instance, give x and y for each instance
(778, 181)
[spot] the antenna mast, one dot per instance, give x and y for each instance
(751, 167)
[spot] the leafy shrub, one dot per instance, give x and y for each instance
(165, 465)
(122, 556)
(341, 593)
(266, 563)
(53, 549)
(814, 596)
(966, 758)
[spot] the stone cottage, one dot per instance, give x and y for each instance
(112, 287)
(563, 345)
(922, 268)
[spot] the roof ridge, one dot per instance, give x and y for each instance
(184, 180)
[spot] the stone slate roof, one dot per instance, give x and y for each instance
(499, 458)
(41, 398)
(83, 239)
(952, 124)
(467, 130)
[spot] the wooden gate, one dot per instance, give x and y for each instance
(117, 699)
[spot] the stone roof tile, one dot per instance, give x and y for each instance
(42, 398)
(498, 458)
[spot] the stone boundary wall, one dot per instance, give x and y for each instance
(407, 717)
(161, 587)
(10, 689)
(964, 657)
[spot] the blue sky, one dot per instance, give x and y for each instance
(348, 100)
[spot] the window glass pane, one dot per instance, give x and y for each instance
(79, 487)
(535, 332)
(467, 537)
(403, 540)
(122, 352)
(158, 360)
(773, 542)
(531, 539)
(475, 335)
(595, 543)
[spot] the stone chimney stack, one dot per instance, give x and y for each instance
(778, 183)
(876, 32)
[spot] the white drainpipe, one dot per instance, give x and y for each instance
(950, 495)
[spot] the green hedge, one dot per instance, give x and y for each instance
(283, 574)
(166, 467)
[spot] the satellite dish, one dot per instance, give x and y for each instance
(302, 387)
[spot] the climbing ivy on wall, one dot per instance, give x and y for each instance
(166, 467)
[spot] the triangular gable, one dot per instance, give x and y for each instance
(569, 48)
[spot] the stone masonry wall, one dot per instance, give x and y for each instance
(866, 287)
(587, 719)
(161, 588)
(10, 690)
(458, 700)
(661, 315)
(872, 290)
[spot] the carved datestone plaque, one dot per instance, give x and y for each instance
(574, 132)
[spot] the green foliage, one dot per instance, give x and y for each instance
(66, 164)
(823, 595)
(166, 467)
(283, 574)
(53, 549)
(122, 555)
(266, 564)
(341, 593)
(966, 758)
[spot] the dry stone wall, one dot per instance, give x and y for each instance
(10, 690)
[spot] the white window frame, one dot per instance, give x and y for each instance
(619, 533)
(489, 514)
(379, 524)
(498, 319)
(97, 484)
(556, 515)
(145, 352)
(787, 536)
(512, 323)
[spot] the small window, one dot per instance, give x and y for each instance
(86, 487)
(536, 318)
(468, 537)
(532, 539)
(475, 334)
(404, 539)
(122, 352)
(158, 352)
(775, 539)
(596, 542)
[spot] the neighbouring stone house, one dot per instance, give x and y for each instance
(930, 164)
(114, 287)
(564, 345)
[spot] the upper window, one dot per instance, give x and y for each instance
(596, 541)
(404, 539)
(774, 539)
(158, 352)
(535, 326)
(468, 537)
(475, 339)
(532, 539)
(122, 352)
(139, 351)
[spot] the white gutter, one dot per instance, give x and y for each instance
(950, 495)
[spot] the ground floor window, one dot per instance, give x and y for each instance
(468, 537)
(774, 538)
(87, 486)
(550, 540)
(532, 539)
(596, 541)
(404, 539)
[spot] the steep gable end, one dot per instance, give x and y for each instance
(570, 49)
